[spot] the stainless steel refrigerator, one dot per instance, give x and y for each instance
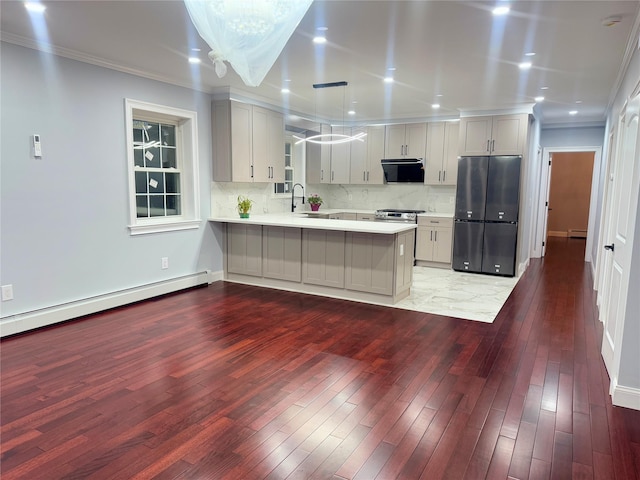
(486, 215)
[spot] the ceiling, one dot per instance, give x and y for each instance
(454, 53)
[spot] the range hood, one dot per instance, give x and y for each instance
(403, 170)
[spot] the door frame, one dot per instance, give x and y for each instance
(541, 224)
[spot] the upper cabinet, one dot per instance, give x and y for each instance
(406, 141)
(366, 155)
(493, 135)
(248, 143)
(442, 153)
(318, 159)
(340, 157)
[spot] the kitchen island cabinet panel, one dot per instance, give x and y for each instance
(404, 262)
(323, 257)
(244, 249)
(369, 263)
(282, 253)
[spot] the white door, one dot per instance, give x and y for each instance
(620, 241)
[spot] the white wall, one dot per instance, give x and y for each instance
(64, 217)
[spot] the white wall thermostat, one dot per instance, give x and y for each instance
(37, 147)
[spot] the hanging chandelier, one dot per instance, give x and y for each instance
(248, 34)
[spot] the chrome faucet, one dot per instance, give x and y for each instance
(293, 191)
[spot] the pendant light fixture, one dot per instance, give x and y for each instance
(332, 138)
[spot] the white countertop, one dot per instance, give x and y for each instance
(300, 220)
(436, 215)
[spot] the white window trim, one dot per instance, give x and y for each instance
(189, 165)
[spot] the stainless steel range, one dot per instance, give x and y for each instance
(397, 215)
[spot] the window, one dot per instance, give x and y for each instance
(163, 167)
(293, 167)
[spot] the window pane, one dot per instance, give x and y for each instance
(153, 132)
(156, 205)
(168, 135)
(173, 205)
(152, 157)
(156, 182)
(172, 182)
(142, 206)
(141, 182)
(169, 158)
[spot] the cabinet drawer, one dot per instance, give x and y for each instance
(435, 221)
(369, 217)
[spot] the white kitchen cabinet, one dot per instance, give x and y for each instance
(340, 158)
(323, 257)
(434, 241)
(442, 153)
(244, 249)
(282, 253)
(318, 158)
(406, 141)
(248, 143)
(369, 262)
(493, 135)
(366, 156)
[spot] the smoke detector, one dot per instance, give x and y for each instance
(611, 21)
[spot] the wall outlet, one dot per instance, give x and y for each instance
(7, 292)
(164, 262)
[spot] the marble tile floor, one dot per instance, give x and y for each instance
(457, 294)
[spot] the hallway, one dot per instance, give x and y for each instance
(232, 381)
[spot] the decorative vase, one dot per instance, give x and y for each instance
(315, 207)
(244, 215)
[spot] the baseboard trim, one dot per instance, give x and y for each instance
(627, 397)
(23, 322)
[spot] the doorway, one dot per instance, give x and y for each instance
(568, 195)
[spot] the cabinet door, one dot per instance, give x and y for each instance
(443, 237)
(244, 249)
(435, 153)
(340, 158)
(509, 134)
(424, 243)
(394, 141)
(450, 156)
(369, 262)
(416, 140)
(282, 253)
(275, 137)
(241, 142)
(475, 135)
(260, 145)
(358, 161)
(318, 160)
(375, 153)
(323, 257)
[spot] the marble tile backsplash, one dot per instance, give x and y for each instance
(440, 199)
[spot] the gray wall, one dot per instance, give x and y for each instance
(64, 217)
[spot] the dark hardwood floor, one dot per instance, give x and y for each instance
(238, 382)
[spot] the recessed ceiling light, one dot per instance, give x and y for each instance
(319, 40)
(529, 54)
(435, 106)
(525, 65)
(439, 95)
(351, 112)
(195, 50)
(539, 99)
(285, 90)
(322, 29)
(194, 60)
(573, 112)
(544, 88)
(34, 7)
(502, 10)
(392, 69)
(578, 101)
(388, 79)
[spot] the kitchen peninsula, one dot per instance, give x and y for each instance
(349, 259)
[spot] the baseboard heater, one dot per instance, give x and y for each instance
(23, 322)
(574, 233)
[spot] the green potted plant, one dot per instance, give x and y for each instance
(244, 206)
(315, 201)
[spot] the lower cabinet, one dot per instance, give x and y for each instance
(434, 241)
(323, 257)
(282, 253)
(244, 249)
(369, 263)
